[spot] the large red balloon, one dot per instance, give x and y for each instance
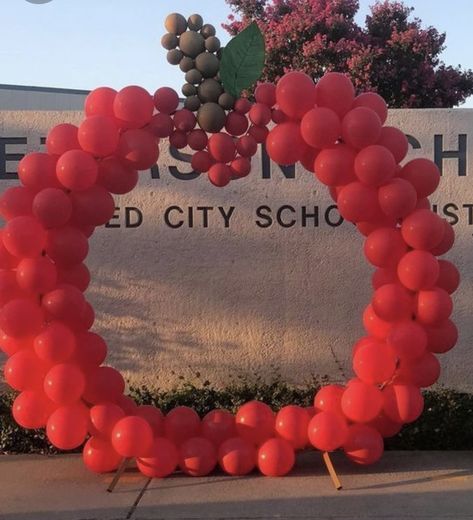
(55, 343)
(37, 171)
(222, 147)
(335, 91)
(422, 372)
(103, 418)
(52, 207)
(132, 437)
(31, 409)
(361, 402)
(255, 422)
(16, 201)
(364, 444)
(327, 431)
(116, 177)
(418, 270)
(328, 399)
(197, 456)
(423, 229)
(24, 237)
(98, 135)
(397, 198)
(358, 202)
(93, 206)
(392, 302)
(320, 127)
(100, 102)
(103, 384)
(21, 317)
(181, 424)
(291, 424)
(395, 141)
(138, 148)
(407, 339)
(334, 166)
(276, 457)
(67, 246)
(295, 94)
(402, 403)
(25, 371)
(374, 165)
(62, 138)
(91, 351)
(237, 457)
(375, 102)
(154, 416)
(76, 170)
(441, 337)
(374, 363)
(266, 93)
(133, 107)
(361, 127)
(36, 275)
(218, 426)
(433, 306)
(284, 143)
(64, 303)
(162, 459)
(64, 383)
(384, 247)
(423, 174)
(67, 426)
(99, 456)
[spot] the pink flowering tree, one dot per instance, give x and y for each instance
(392, 54)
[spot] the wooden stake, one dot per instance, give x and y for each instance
(331, 470)
(138, 498)
(118, 474)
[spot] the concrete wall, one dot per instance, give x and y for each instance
(231, 298)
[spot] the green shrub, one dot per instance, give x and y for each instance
(446, 424)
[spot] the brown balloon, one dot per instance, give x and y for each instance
(175, 23)
(195, 22)
(209, 90)
(226, 101)
(208, 64)
(193, 76)
(192, 103)
(212, 44)
(169, 41)
(207, 30)
(211, 117)
(186, 64)
(192, 43)
(189, 90)
(174, 56)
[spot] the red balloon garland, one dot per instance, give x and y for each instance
(56, 362)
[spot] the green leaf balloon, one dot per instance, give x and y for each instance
(242, 60)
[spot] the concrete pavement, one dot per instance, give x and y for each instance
(404, 485)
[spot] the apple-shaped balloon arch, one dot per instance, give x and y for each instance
(56, 362)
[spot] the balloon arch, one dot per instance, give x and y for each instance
(56, 362)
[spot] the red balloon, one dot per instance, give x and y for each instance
(99, 456)
(361, 402)
(395, 141)
(447, 241)
(329, 398)
(383, 276)
(373, 101)
(385, 426)
(201, 162)
(246, 146)
(103, 384)
(255, 422)
(236, 123)
(334, 166)
(100, 102)
(36, 275)
(449, 277)
(21, 317)
(32, 409)
(138, 148)
(116, 177)
(7, 261)
(103, 418)
(67, 426)
(197, 457)
(237, 457)
(67, 246)
(166, 100)
(291, 425)
(98, 135)
(266, 93)
(241, 167)
(62, 138)
(422, 372)
(397, 198)
(242, 105)
(408, 339)
(64, 303)
(278, 116)
(402, 403)
(378, 221)
(423, 229)
(184, 120)
(93, 206)
(295, 94)
(127, 404)
(178, 139)
(392, 302)
(358, 202)
(76, 170)
(259, 133)
(441, 337)
(361, 127)
(222, 147)
(284, 143)
(260, 114)
(374, 165)
(16, 201)
(308, 157)
(374, 363)
(133, 107)
(220, 174)
(37, 171)
(52, 207)
(91, 351)
(276, 457)
(13, 345)
(418, 270)
(384, 247)
(320, 127)
(64, 383)
(433, 306)
(132, 437)
(374, 325)
(335, 91)
(24, 371)
(24, 237)
(197, 139)
(423, 174)
(55, 344)
(154, 417)
(9, 288)
(364, 445)
(327, 431)
(77, 275)
(182, 423)
(161, 461)
(218, 426)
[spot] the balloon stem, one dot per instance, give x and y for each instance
(118, 474)
(331, 470)
(138, 498)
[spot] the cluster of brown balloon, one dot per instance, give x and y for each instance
(55, 361)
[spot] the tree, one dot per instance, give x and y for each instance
(392, 54)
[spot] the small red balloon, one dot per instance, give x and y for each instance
(374, 325)
(67, 426)
(55, 343)
(449, 276)
(328, 399)
(197, 457)
(37, 171)
(423, 229)
(92, 207)
(374, 165)
(161, 461)
(291, 425)
(100, 102)
(402, 403)
(374, 363)
(361, 127)
(64, 383)
(76, 170)
(373, 101)
(384, 247)
(335, 91)
(334, 166)
(133, 107)
(62, 138)
(138, 148)
(327, 431)
(16, 201)
(395, 141)
(295, 94)
(67, 246)
(418, 270)
(284, 143)
(218, 426)
(181, 424)
(103, 384)
(154, 417)
(397, 198)
(21, 317)
(392, 302)
(132, 437)
(433, 306)
(221, 147)
(52, 207)
(116, 177)
(31, 409)
(166, 100)
(361, 402)
(36, 275)
(99, 456)
(237, 457)
(220, 174)
(423, 174)
(407, 339)
(358, 202)
(364, 445)
(255, 422)
(98, 135)
(103, 418)
(24, 237)
(320, 127)
(276, 457)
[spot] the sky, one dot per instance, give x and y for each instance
(88, 43)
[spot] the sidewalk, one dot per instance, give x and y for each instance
(404, 485)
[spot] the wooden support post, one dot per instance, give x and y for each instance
(331, 470)
(118, 474)
(138, 498)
